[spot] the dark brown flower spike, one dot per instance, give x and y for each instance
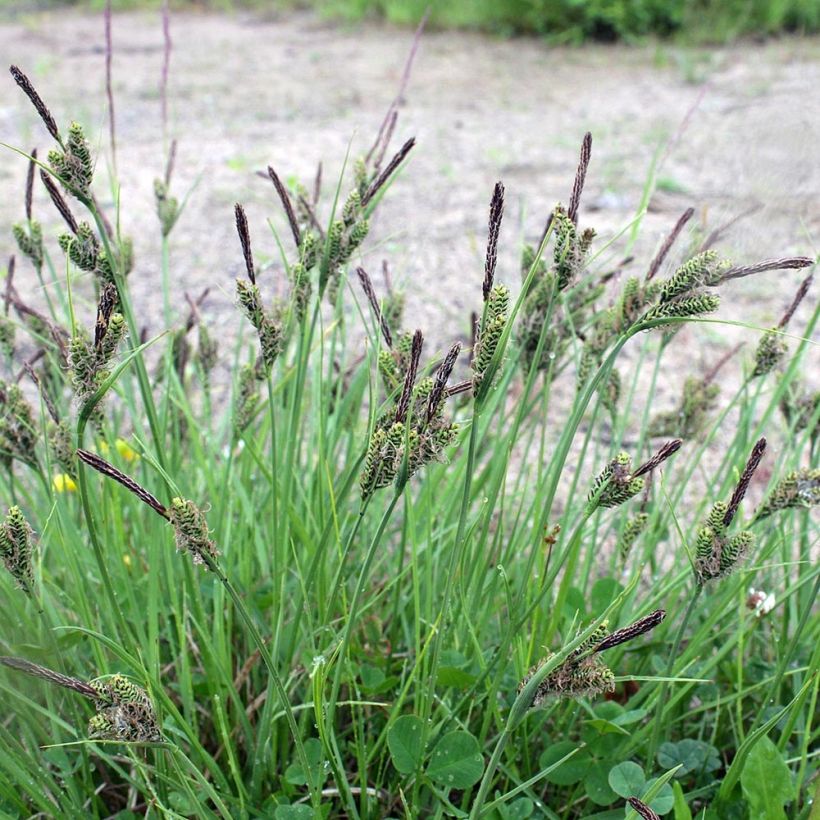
(580, 177)
(409, 378)
(667, 245)
(367, 287)
(668, 449)
(36, 101)
(644, 812)
(459, 387)
(59, 203)
(286, 204)
(798, 298)
(109, 470)
(632, 631)
(108, 301)
(30, 182)
(491, 258)
(786, 263)
(41, 672)
(442, 375)
(245, 240)
(382, 178)
(745, 479)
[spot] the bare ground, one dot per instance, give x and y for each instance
(732, 127)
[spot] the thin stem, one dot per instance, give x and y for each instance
(663, 695)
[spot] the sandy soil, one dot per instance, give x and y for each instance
(734, 127)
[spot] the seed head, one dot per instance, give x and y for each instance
(770, 352)
(29, 239)
(167, 206)
(124, 713)
(799, 489)
(191, 532)
(16, 548)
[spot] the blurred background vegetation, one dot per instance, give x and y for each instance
(563, 21)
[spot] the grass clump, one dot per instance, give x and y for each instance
(357, 653)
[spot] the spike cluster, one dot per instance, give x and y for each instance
(344, 236)
(29, 238)
(62, 449)
(124, 713)
(770, 352)
(72, 163)
(489, 333)
(799, 489)
(692, 415)
(584, 673)
(717, 552)
(167, 207)
(416, 431)
(18, 433)
(90, 361)
(191, 532)
(618, 482)
(682, 295)
(631, 532)
(802, 409)
(267, 323)
(16, 548)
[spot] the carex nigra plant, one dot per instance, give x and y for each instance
(384, 541)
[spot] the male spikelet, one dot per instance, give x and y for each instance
(618, 482)
(124, 712)
(584, 673)
(717, 552)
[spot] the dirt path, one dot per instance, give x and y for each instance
(245, 92)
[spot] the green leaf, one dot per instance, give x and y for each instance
(663, 801)
(568, 773)
(606, 727)
(455, 677)
(627, 779)
(597, 785)
(294, 813)
(766, 781)
(372, 677)
(681, 808)
(405, 740)
(295, 773)
(603, 593)
(456, 761)
(694, 756)
(632, 716)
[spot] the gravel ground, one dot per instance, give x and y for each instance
(730, 128)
